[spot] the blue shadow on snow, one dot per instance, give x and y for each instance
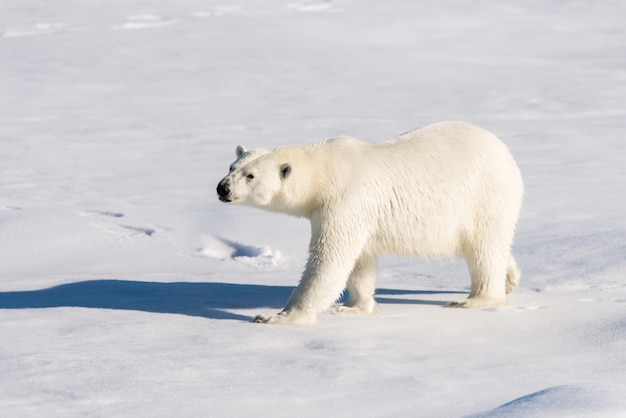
(208, 300)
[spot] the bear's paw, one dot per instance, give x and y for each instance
(477, 302)
(369, 308)
(286, 318)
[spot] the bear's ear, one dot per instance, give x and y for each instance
(285, 170)
(239, 150)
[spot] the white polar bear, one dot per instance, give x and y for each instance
(447, 189)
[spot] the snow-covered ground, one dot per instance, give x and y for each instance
(127, 289)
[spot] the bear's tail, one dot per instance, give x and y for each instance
(513, 274)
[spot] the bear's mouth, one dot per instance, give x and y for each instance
(225, 199)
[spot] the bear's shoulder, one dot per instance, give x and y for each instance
(343, 140)
(343, 144)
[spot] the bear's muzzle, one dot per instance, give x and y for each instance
(223, 191)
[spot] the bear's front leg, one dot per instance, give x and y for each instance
(321, 285)
(332, 255)
(361, 287)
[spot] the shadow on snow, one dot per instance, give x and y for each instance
(208, 300)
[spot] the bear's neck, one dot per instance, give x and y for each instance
(307, 188)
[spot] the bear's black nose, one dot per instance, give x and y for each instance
(222, 189)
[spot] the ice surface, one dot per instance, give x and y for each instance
(127, 288)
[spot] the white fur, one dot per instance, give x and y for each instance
(443, 190)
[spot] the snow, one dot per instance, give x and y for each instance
(127, 288)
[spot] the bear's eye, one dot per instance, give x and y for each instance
(250, 176)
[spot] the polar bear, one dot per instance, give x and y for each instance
(447, 189)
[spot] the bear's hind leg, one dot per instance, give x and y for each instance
(361, 287)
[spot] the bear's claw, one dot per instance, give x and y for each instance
(285, 318)
(477, 302)
(261, 319)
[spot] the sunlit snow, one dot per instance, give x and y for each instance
(127, 289)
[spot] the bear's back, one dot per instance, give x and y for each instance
(429, 186)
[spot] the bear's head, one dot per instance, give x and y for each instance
(255, 179)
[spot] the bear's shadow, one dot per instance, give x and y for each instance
(208, 300)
